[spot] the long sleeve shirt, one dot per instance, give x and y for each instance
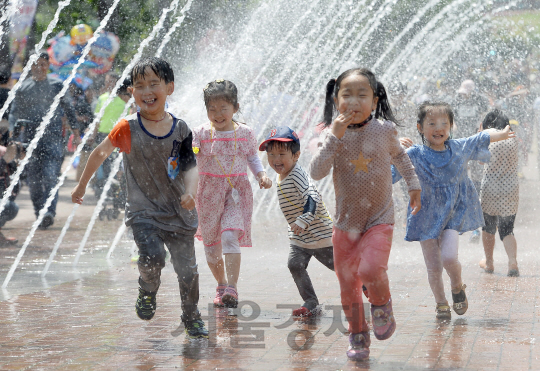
(362, 161)
(301, 203)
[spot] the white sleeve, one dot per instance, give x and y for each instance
(255, 164)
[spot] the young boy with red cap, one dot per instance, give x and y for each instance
(310, 225)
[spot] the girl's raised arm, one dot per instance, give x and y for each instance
(495, 135)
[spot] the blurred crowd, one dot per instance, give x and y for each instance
(69, 120)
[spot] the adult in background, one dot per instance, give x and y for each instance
(85, 116)
(5, 75)
(30, 106)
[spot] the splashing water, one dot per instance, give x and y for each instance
(33, 58)
(98, 208)
(136, 58)
(8, 12)
(316, 41)
(118, 160)
(52, 111)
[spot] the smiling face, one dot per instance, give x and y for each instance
(356, 95)
(220, 112)
(436, 128)
(39, 69)
(281, 158)
(150, 93)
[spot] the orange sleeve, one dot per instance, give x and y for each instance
(120, 136)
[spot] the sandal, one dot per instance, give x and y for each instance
(443, 311)
(230, 297)
(461, 303)
(220, 289)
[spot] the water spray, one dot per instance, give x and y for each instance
(91, 127)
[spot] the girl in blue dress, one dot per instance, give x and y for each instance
(450, 203)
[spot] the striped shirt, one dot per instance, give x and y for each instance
(301, 203)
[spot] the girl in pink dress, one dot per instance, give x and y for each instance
(225, 149)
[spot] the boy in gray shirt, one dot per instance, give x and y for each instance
(162, 178)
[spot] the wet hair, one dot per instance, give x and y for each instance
(495, 119)
(40, 54)
(123, 89)
(332, 89)
(159, 66)
(427, 107)
(5, 74)
(221, 89)
(288, 146)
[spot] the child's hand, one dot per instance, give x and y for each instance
(187, 201)
(508, 133)
(416, 203)
(406, 142)
(296, 229)
(264, 181)
(496, 135)
(341, 122)
(77, 194)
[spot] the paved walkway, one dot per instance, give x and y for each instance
(84, 318)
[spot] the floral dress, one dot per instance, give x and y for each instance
(222, 162)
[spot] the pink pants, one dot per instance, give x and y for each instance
(362, 258)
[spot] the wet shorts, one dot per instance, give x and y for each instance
(505, 224)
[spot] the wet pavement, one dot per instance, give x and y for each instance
(83, 318)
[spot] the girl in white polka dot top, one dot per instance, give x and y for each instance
(499, 194)
(361, 147)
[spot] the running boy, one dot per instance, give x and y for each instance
(310, 225)
(161, 175)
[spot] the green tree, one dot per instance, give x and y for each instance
(132, 21)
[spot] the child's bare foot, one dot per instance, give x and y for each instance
(487, 266)
(513, 270)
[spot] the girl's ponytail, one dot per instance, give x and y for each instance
(383, 105)
(329, 103)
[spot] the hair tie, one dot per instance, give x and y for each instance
(215, 82)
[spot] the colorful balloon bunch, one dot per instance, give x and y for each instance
(65, 51)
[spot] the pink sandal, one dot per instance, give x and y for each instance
(220, 289)
(230, 297)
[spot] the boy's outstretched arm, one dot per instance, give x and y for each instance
(191, 181)
(98, 155)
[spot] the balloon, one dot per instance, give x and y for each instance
(106, 45)
(103, 51)
(64, 52)
(61, 51)
(80, 34)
